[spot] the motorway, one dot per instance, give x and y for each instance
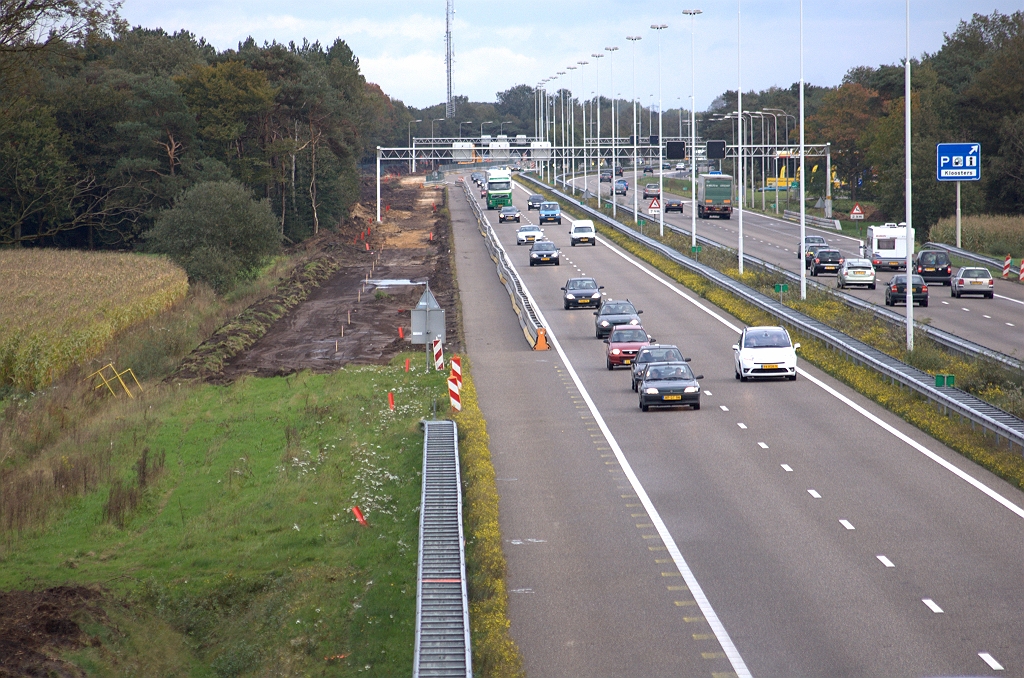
(785, 529)
(995, 323)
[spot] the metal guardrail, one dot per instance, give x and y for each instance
(442, 604)
(952, 400)
(528, 318)
(820, 222)
(979, 258)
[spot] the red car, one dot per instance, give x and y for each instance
(623, 344)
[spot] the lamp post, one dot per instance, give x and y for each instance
(597, 137)
(803, 177)
(775, 155)
(739, 115)
(753, 174)
(572, 128)
(908, 204)
(432, 125)
(584, 113)
(412, 160)
(486, 122)
(693, 130)
(468, 122)
(636, 214)
(661, 139)
(501, 126)
(615, 157)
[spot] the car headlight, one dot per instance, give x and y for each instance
(570, 296)
(634, 321)
(615, 351)
(604, 323)
(535, 255)
(651, 391)
(691, 389)
(595, 295)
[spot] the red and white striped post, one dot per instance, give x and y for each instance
(1020, 275)
(438, 355)
(453, 394)
(1006, 267)
(456, 367)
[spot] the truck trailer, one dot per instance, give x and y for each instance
(714, 196)
(887, 246)
(499, 188)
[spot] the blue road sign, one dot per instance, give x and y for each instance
(958, 162)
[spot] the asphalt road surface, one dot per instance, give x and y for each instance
(785, 529)
(995, 323)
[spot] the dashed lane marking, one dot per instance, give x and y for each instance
(763, 446)
(931, 605)
(741, 425)
(787, 468)
(847, 524)
(885, 561)
(991, 661)
(814, 493)
(724, 408)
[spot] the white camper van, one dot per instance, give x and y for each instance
(887, 246)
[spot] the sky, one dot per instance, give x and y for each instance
(400, 43)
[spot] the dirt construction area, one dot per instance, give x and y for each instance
(355, 316)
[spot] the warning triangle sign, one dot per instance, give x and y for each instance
(655, 205)
(857, 212)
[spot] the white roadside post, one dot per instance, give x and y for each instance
(378, 184)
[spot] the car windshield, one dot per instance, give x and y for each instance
(509, 210)
(902, 280)
(549, 206)
(582, 285)
(529, 229)
(814, 240)
(536, 198)
(660, 355)
(975, 273)
(652, 186)
(932, 259)
(544, 246)
(663, 372)
(617, 309)
(766, 338)
(628, 335)
(860, 266)
(582, 229)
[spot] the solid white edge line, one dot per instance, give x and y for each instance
(1016, 301)
(963, 475)
(991, 661)
(738, 665)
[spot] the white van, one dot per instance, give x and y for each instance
(582, 231)
(887, 246)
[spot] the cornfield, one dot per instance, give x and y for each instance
(60, 308)
(996, 235)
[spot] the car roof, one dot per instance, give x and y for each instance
(530, 227)
(536, 195)
(548, 203)
(975, 268)
(581, 278)
(628, 327)
(858, 262)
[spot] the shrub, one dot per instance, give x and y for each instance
(217, 232)
(997, 235)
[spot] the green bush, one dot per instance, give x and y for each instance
(217, 232)
(994, 234)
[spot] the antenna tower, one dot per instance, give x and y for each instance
(449, 19)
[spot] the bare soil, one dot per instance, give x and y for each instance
(348, 320)
(36, 625)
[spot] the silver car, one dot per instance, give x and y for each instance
(972, 280)
(856, 272)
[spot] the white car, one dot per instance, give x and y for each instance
(529, 234)
(765, 352)
(582, 232)
(680, 165)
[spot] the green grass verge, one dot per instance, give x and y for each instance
(998, 387)
(242, 556)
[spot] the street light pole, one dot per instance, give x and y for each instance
(572, 128)
(597, 148)
(908, 203)
(803, 167)
(661, 140)
(693, 129)
(584, 107)
(615, 156)
(412, 160)
(468, 122)
(636, 214)
(739, 121)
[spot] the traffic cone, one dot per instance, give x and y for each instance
(542, 340)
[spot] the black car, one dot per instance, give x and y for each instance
(543, 252)
(934, 266)
(508, 213)
(655, 353)
(581, 292)
(534, 201)
(806, 249)
(811, 251)
(896, 290)
(669, 385)
(673, 205)
(618, 170)
(648, 169)
(606, 175)
(614, 313)
(826, 261)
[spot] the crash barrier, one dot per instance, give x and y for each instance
(508, 276)
(442, 646)
(820, 222)
(952, 400)
(1011, 271)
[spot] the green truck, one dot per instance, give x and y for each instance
(499, 188)
(714, 196)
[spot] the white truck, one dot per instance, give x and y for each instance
(887, 246)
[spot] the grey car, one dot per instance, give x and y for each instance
(534, 201)
(972, 280)
(614, 313)
(856, 272)
(543, 252)
(669, 385)
(655, 353)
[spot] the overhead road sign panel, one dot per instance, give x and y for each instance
(958, 162)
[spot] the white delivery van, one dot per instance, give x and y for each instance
(887, 246)
(582, 232)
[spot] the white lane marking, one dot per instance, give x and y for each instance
(1016, 301)
(787, 468)
(707, 393)
(738, 665)
(946, 303)
(931, 605)
(1010, 325)
(964, 309)
(763, 446)
(741, 425)
(963, 475)
(847, 524)
(724, 408)
(885, 561)
(814, 493)
(991, 661)
(987, 316)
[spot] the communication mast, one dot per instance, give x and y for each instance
(449, 19)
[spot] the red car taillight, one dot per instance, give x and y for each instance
(919, 269)
(924, 288)
(841, 260)
(817, 260)
(894, 289)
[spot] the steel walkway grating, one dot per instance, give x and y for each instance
(442, 606)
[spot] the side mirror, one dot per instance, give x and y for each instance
(639, 312)
(796, 346)
(605, 341)
(562, 288)
(600, 287)
(699, 376)
(595, 312)
(735, 347)
(650, 338)
(686, 360)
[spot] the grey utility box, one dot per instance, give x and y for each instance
(427, 320)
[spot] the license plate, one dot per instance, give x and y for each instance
(584, 240)
(584, 301)
(830, 268)
(929, 269)
(545, 258)
(626, 362)
(976, 282)
(672, 397)
(894, 264)
(859, 273)
(769, 367)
